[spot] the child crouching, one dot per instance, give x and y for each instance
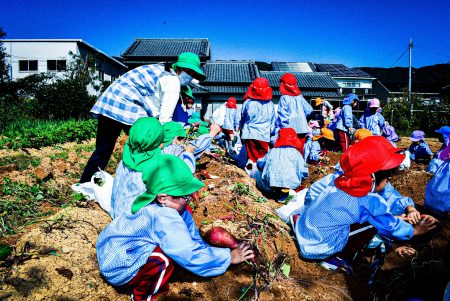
(137, 250)
(283, 168)
(342, 216)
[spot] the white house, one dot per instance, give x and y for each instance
(29, 56)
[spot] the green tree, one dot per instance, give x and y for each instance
(426, 115)
(4, 67)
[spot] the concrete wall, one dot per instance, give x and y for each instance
(40, 51)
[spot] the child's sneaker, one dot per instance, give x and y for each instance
(337, 263)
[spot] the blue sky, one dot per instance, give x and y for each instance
(354, 33)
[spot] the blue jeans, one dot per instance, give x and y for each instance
(108, 130)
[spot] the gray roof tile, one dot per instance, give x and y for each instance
(339, 70)
(230, 72)
(222, 90)
(313, 80)
(167, 47)
(312, 94)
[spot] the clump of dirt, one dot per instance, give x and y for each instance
(55, 259)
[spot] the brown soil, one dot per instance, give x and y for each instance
(55, 258)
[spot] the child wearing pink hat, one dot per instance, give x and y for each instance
(419, 148)
(372, 119)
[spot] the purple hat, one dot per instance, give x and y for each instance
(417, 136)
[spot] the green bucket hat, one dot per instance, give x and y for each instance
(166, 174)
(187, 91)
(172, 129)
(202, 129)
(191, 61)
(146, 135)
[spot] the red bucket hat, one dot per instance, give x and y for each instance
(288, 137)
(231, 103)
(288, 85)
(260, 89)
(361, 160)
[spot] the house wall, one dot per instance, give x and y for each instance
(40, 51)
(56, 50)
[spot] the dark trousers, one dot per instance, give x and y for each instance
(108, 130)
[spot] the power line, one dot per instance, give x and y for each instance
(399, 57)
(432, 51)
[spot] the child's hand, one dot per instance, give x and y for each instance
(427, 220)
(242, 253)
(413, 216)
(426, 224)
(405, 251)
(189, 149)
(214, 129)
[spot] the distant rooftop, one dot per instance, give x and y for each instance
(228, 77)
(304, 80)
(293, 67)
(339, 70)
(230, 72)
(164, 48)
(315, 84)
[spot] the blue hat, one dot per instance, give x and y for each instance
(353, 97)
(444, 130)
(350, 98)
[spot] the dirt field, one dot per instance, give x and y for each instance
(54, 259)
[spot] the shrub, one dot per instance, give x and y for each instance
(425, 115)
(36, 134)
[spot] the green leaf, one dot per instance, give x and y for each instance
(54, 253)
(285, 269)
(5, 250)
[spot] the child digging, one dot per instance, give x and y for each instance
(419, 149)
(343, 214)
(138, 250)
(283, 168)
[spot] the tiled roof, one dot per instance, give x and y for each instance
(167, 47)
(222, 90)
(323, 94)
(314, 81)
(230, 72)
(293, 66)
(339, 70)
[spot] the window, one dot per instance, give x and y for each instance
(101, 75)
(351, 85)
(28, 65)
(56, 65)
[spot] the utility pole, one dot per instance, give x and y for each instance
(410, 74)
(410, 68)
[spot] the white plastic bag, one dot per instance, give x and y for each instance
(100, 192)
(219, 115)
(251, 169)
(406, 162)
(295, 206)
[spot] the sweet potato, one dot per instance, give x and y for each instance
(219, 237)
